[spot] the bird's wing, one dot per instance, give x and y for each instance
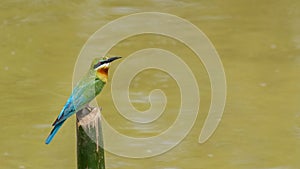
(82, 94)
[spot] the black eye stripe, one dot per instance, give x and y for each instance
(105, 61)
(97, 65)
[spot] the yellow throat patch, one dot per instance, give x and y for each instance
(102, 73)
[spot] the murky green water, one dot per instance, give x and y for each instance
(259, 44)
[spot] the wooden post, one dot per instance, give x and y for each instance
(90, 152)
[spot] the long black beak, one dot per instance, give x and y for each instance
(106, 61)
(112, 59)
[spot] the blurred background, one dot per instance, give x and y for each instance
(258, 43)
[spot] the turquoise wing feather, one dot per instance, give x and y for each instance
(83, 93)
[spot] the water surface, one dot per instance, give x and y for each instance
(259, 45)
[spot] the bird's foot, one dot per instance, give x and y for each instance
(89, 108)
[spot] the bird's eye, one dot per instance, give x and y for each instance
(97, 64)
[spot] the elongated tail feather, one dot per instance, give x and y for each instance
(53, 132)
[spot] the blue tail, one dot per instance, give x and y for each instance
(53, 132)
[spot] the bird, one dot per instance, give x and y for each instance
(84, 92)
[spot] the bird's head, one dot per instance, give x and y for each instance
(102, 65)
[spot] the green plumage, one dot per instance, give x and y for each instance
(83, 93)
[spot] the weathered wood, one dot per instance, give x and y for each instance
(90, 152)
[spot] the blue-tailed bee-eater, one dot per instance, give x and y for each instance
(84, 92)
